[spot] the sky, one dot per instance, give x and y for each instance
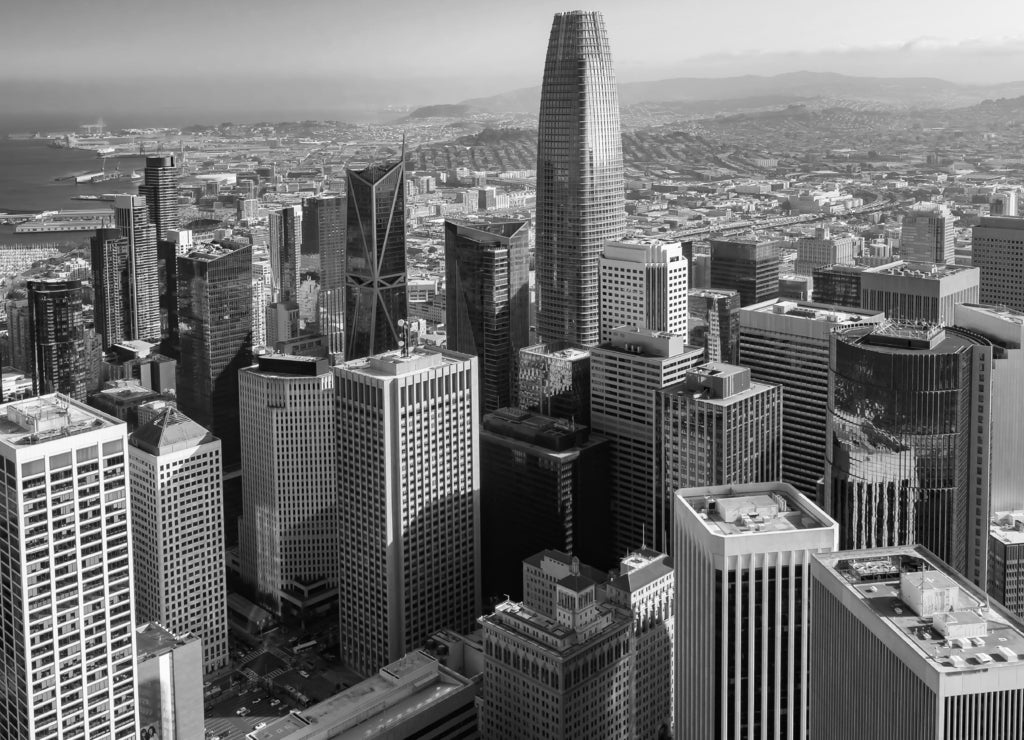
(432, 51)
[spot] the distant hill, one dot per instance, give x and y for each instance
(904, 92)
(450, 110)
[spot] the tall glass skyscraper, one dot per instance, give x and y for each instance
(375, 296)
(160, 189)
(58, 337)
(131, 216)
(580, 202)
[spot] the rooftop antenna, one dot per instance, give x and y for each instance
(405, 327)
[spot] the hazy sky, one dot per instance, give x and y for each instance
(329, 55)
(481, 39)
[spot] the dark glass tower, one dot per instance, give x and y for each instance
(131, 215)
(323, 233)
(58, 337)
(580, 201)
(375, 297)
(487, 279)
(160, 189)
(111, 285)
(215, 315)
(285, 246)
(749, 266)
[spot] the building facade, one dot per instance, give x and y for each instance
(927, 234)
(409, 500)
(714, 323)
(68, 662)
(487, 310)
(823, 249)
(57, 329)
(289, 528)
(748, 266)
(178, 531)
(743, 555)
(998, 252)
(787, 344)
(170, 675)
(625, 374)
(554, 379)
(375, 298)
(580, 192)
(919, 292)
(285, 252)
(644, 284)
(160, 189)
(131, 217)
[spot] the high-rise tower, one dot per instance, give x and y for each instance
(160, 189)
(927, 234)
(375, 296)
(131, 215)
(58, 337)
(285, 246)
(487, 274)
(643, 283)
(580, 200)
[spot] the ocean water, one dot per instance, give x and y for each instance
(29, 172)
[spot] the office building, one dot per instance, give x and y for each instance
(569, 672)
(998, 252)
(714, 427)
(625, 373)
(905, 460)
(643, 283)
(786, 344)
(544, 484)
(19, 335)
(919, 292)
(170, 677)
(285, 247)
(215, 330)
(1004, 203)
(419, 696)
(323, 233)
(409, 500)
(289, 528)
(742, 609)
(714, 323)
(1006, 560)
(580, 196)
(927, 234)
(487, 309)
(113, 295)
(375, 298)
(747, 265)
(57, 329)
(824, 249)
(926, 654)
(178, 531)
(160, 189)
(554, 379)
(142, 299)
(66, 574)
(838, 285)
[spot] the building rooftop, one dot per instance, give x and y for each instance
(560, 350)
(753, 508)
(169, 431)
(922, 270)
(403, 362)
(153, 640)
(400, 690)
(639, 569)
(1008, 527)
(949, 623)
(46, 418)
(812, 311)
(644, 342)
(908, 336)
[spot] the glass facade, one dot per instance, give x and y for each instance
(487, 274)
(899, 461)
(580, 200)
(142, 319)
(215, 323)
(375, 297)
(554, 379)
(58, 337)
(160, 188)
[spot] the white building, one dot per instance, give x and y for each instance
(409, 500)
(928, 234)
(998, 251)
(178, 531)
(67, 627)
(743, 557)
(644, 284)
(288, 531)
(170, 677)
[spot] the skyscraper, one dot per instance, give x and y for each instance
(787, 344)
(215, 328)
(926, 654)
(919, 292)
(643, 283)
(285, 246)
(625, 373)
(375, 298)
(289, 528)
(131, 215)
(742, 594)
(178, 531)
(580, 196)
(714, 427)
(748, 265)
(714, 323)
(906, 459)
(487, 276)
(58, 337)
(554, 379)
(928, 234)
(998, 251)
(160, 189)
(409, 500)
(68, 628)
(112, 312)
(323, 227)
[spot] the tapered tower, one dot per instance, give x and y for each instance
(580, 202)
